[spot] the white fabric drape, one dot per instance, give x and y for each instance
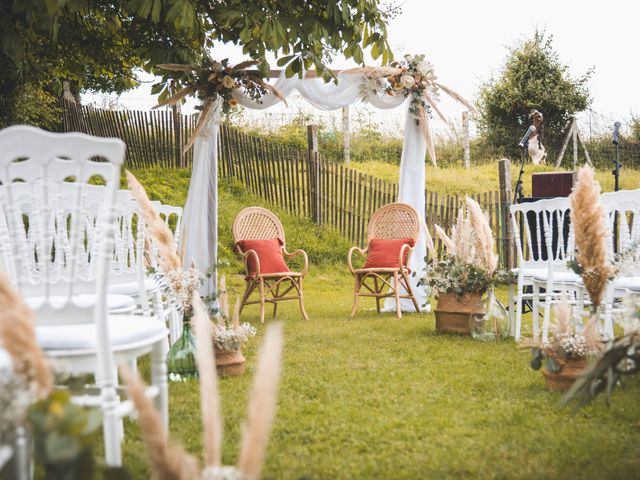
(200, 214)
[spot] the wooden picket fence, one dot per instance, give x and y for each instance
(302, 182)
(307, 184)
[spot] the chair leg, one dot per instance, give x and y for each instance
(159, 379)
(512, 311)
(410, 292)
(261, 291)
(301, 300)
(396, 293)
(275, 303)
(111, 428)
(518, 311)
(535, 311)
(251, 285)
(546, 319)
(356, 289)
(377, 290)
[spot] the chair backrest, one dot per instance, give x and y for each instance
(626, 204)
(45, 195)
(394, 221)
(256, 223)
(533, 225)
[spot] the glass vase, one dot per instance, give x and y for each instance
(181, 359)
(494, 325)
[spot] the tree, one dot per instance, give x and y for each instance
(532, 77)
(98, 45)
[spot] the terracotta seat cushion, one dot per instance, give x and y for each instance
(385, 253)
(269, 253)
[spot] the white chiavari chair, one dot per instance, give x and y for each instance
(80, 331)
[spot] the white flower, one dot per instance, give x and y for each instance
(425, 68)
(409, 58)
(216, 66)
(228, 82)
(407, 81)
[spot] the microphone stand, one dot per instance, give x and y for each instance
(518, 195)
(616, 176)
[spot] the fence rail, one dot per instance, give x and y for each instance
(303, 182)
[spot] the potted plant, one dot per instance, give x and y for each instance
(565, 355)
(230, 336)
(463, 280)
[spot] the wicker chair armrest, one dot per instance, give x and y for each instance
(297, 253)
(350, 255)
(401, 259)
(245, 257)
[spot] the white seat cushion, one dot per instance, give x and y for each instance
(115, 303)
(131, 288)
(123, 329)
(627, 283)
(558, 277)
(530, 272)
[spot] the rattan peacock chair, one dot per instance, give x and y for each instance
(395, 221)
(255, 223)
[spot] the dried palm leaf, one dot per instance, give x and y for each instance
(177, 67)
(429, 99)
(168, 462)
(562, 317)
(202, 121)
(175, 98)
(373, 71)
(273, 90)
(262, 405)
(423, 121)
(208, 377)
(431, 248)
(244, 65)
(457, 97)
(18, 338)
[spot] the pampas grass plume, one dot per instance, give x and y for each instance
(587, 218)
(167, 462)
(208, 377)
(18, 338)
(262, 405)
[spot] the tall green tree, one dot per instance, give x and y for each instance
(98, 45)
(532, 77)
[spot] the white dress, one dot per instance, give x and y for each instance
(536, 151)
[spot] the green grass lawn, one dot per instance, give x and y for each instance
(377, 397)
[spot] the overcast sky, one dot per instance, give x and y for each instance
(468, 40)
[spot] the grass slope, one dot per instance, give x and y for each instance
(375, 397)
(484, 177)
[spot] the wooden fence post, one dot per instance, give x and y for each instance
(177, 134)
(504, 173)
(345, 136)
(314, 172)
(465, 139)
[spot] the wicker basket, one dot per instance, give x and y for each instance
(456, 314)
(561, 381)
(230, 363)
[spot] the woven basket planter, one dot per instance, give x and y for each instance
(457, 314)
(561, 381)
(229, 363)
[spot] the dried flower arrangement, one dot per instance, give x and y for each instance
(566, 343)
(620, 359)
(587, 218)
(414, 78)
(210, 81)
(180, 284)
(170, 461)
(230, 334)
(470, 265)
